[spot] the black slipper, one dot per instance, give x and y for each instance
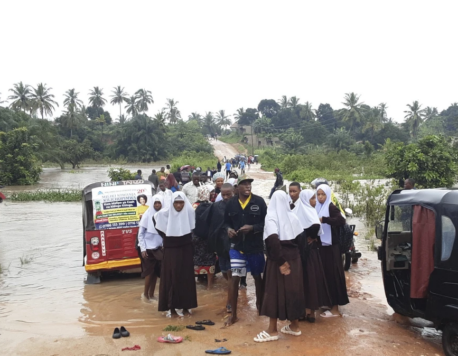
(195, 327)
(205, 322)
(124, 332)
(116, 334)
(310, 318)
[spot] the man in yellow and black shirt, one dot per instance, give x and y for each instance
(244, 219)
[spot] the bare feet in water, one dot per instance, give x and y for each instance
(231, 320)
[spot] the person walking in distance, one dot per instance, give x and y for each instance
(244, 220)
(228, 167)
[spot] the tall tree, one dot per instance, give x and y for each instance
(96, 98)
(21, 97)
(144, 98)
(307, 112)
(73, 119)
(119, 96)
(132, 106)
(382, 107)
(196, 117)
(293, 102)
(284, 102)
(71, 101)
(222, 119)
(43, 100)
(430, 113)
(239, 113)
(414, 117)
(352, 112)
(171, 111)
(209, 123)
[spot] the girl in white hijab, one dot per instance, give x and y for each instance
(177, 289)
(331, 220)
(283, 291)
(150, 245)
(315, 286)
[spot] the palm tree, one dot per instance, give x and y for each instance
(284, 102)
(240, 112)
(293, 102)
(195, 117)
(43, 100)
(73, 119)
(373, 121)
(209, 123)
(144, 98)
(352, 113)
(382, 107)
(132, 106)
(172, 112)
(122, 119)
(222, 119)
(102, 121)
(307, 112)
(119, 96)
(96, 98)
(71, 100)
(430, 113)
(21, 96)
(414, 117)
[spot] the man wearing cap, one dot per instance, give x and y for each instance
(244, 220)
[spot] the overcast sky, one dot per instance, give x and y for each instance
(212, 55)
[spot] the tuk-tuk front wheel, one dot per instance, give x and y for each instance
(450, 339)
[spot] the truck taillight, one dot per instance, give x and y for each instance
(94, 241)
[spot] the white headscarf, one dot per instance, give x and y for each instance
(323, 211)
(280, 219)
(147, 218)
(167, 196)
(304, 211)
(174, 223)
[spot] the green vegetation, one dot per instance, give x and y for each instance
(432, 161)
(59, 195)
(173, 328)
(17, 159)
(25, 260)
(195, 159)
(117, 174)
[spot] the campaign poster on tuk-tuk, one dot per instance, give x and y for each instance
(117, 207)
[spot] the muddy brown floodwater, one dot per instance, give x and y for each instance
(46, 309)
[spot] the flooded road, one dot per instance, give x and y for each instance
(46, 309)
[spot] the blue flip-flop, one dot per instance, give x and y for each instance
(219, 351)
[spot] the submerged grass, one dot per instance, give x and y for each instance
(48, 195)
(173, 328)
(25, 260)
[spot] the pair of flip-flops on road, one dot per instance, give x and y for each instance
(199, 325)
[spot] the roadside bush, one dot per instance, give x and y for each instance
(196, 159)
(117, 174)
(59, 195)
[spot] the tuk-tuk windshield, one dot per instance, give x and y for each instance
(117, 206)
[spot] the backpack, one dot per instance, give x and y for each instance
(345, 238)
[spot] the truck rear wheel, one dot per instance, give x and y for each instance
(450, 339)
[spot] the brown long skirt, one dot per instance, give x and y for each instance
(177, 289)
(283, 295)
(315, 287)
(335, 275)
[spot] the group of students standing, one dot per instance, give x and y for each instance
(298, 233)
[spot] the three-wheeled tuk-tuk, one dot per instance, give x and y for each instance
(111, 213)
(419, 255)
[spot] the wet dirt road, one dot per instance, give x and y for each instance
(46, 309)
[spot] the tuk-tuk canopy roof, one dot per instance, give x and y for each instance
(431, 197)
(87, 191)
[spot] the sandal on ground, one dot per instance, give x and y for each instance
(170, 339)
(116, 334)
(287, 330)
(124, 332)
(180, 312)
(205, 322)
(218, 340)
(219, 351)
(265, 337)
(328, 314)
(310, 318)
(195, 327)
(168, 314)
